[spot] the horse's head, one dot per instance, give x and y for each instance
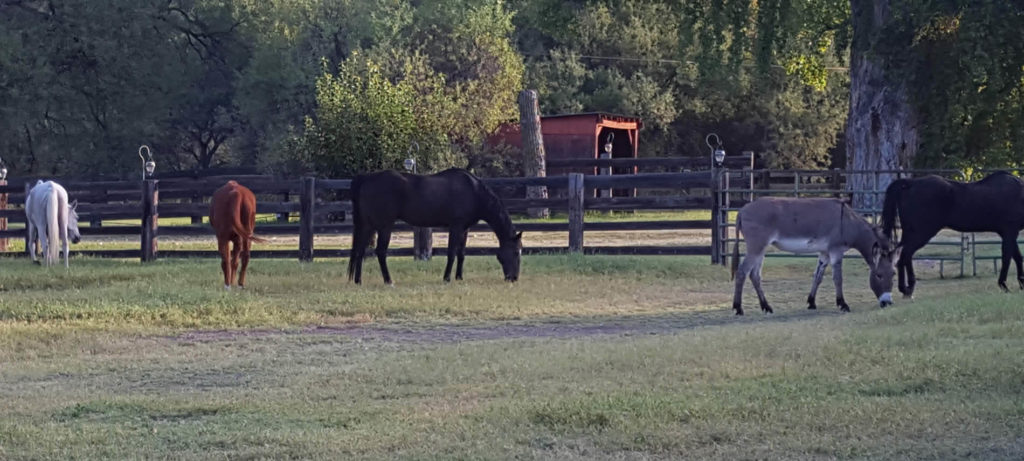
(884, 257)
(510, 251)
(73, 232)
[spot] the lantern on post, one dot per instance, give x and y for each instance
(148, 165)
(410, 162)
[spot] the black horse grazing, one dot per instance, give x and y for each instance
(926, 205)
(453, 198)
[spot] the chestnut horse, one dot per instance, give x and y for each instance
(233, 216)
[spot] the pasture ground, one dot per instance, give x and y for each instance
(584, 358)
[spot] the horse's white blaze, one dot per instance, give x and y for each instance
(801, 244)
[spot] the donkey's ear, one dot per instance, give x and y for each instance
(896, 253)
(876, 253)
(519, 236)
(74, 204)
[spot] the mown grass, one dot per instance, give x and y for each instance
(938, 378)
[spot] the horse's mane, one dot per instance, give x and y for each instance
(494, 210)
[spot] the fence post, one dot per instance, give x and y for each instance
(307, 199)
(716, 216)
(422, 243)
(3, 221)
(29, 247)
(150, 219)
(196, 219)
(282, 217)
(575, 212)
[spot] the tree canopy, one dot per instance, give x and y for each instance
(339, 87)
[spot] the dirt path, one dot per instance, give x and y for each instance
(567, 328)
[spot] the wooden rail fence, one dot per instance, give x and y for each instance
(322, 206)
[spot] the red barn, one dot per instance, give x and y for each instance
(579, 136)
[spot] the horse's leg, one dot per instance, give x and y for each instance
(246, 246)
(45, 243)
(461, 256)
(225, 261)
(819, 274)
(1009, 251)
(837, 279)
(912, 241)
(359, 253)
(236, 251)
(383, 240)
(1019, 260)
(33, 243)
(453, 243)
(64, 246)
(755, 279)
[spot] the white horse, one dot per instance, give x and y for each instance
(50, 217)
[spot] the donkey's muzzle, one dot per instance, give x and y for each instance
(75, 239)
(885, 300)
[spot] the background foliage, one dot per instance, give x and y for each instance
(343, 86)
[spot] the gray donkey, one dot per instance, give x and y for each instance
(828, 227)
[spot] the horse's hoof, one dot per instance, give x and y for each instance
(1003, 286)
(227, 287)
(739, 312)
(767, 309)
(908, 296)
(812, 306)
(844, 308)
(738, 308)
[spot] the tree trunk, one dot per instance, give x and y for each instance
(534, 164)
(881, 132)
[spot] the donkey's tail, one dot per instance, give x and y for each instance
(890, 206)
(52, 228)
(358, 243)
(735, 252)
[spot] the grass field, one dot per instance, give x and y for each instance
(584, 358)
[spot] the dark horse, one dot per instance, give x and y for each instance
(453, 198)
(926, 205)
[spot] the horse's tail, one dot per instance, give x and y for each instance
(358, 243)
(52, 227)
(890, 206)
(239, 228)
(735, 252)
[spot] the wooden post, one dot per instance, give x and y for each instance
(150, 219)
(422, 243)
(282, 217)
(29, 248)
(3, 221)
(575, 212)
(605, 171)
(533, 149)
(306, 201)
(196, 219)
(716, 215)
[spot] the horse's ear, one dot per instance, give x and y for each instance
(519, 236)
(74, 204)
